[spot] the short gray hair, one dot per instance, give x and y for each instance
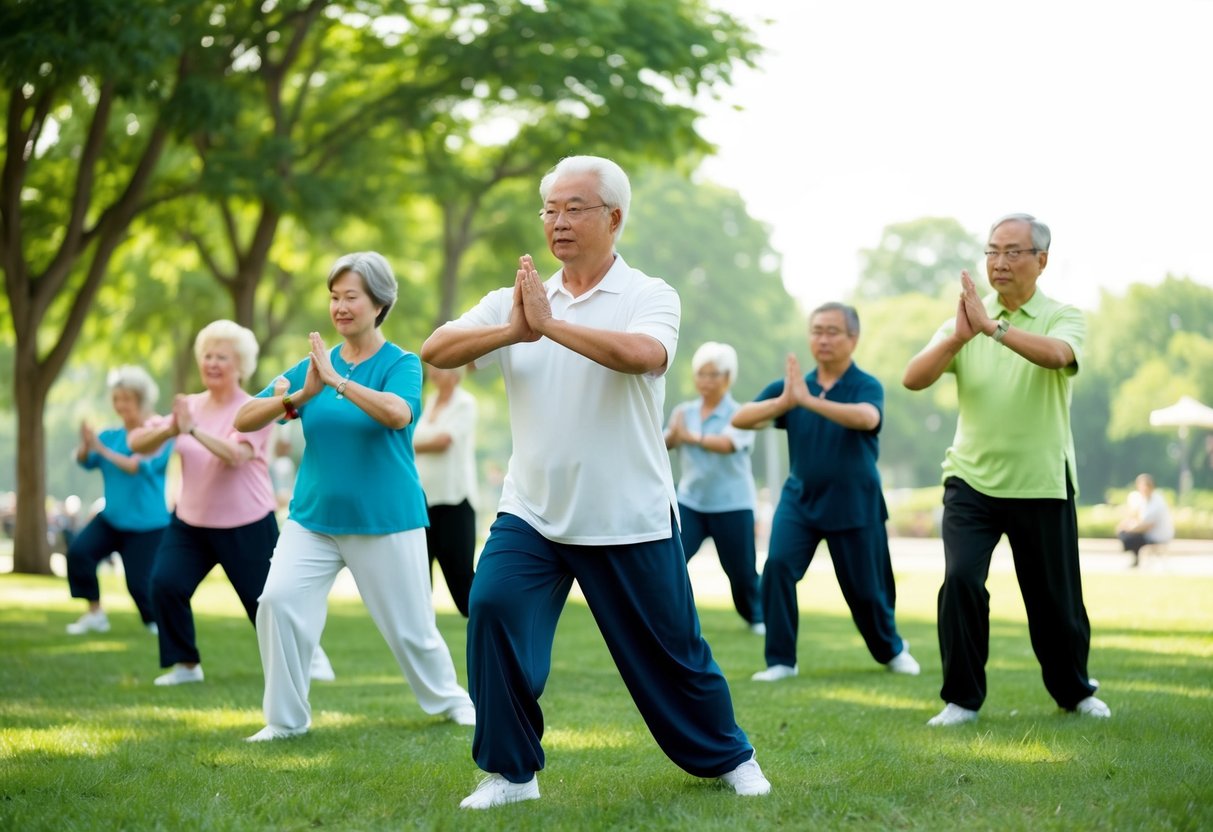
(721, 356)
(242, 340)
(377, 278)
(134, 380)
(614, 189)
(1041, 236)
(848, 313)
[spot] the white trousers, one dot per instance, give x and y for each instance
(392, 574)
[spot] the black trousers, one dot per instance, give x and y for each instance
(96, 542)
(187, 555)
(451, 540)
(733, 534)
(1043, 534)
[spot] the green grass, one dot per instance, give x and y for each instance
(87, 742)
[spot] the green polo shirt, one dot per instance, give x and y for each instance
(1013, 436)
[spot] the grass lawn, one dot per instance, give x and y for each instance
(88, 743)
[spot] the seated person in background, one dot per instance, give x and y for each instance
(1148, 520)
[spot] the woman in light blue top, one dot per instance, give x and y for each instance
(716, 490)
(358, 503)
(135, 512)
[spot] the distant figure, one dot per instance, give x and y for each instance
(1148, 519)
(444, 440)
(716, 490)
(1010, 470)
(832, 417)
(135, 512)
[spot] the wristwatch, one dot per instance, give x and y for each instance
(1001, 330)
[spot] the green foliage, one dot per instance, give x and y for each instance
(90, 743)
(923, 256)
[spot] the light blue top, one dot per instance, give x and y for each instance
(713, 482)
(133, 502)
(358, 476)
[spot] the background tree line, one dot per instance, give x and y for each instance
(169, 163)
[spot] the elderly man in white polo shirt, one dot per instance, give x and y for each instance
(588, 495)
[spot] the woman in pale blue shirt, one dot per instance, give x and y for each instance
(135, 512)
(716, 490)
(358, 503)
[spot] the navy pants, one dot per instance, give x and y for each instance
(96, 542)
(640, 597)
(733, 534)
(865, 576)
(451, 540)
(1043, 534)
(187, 555)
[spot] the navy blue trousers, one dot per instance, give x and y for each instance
(640, 597)
(451, 540)
(96, 542)
(865, 576)
(1043, 534)
(733, 534)
(187, 555)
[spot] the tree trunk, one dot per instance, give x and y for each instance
(31, 549)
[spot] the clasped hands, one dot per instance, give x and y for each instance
(531, 312)
(971, 315)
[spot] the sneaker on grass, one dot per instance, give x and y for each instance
(903, 662)
(775, 673)
(91, 622)
(180, 675)
(1091, 706)
(747, 779)
(952, 714)
(275, 732)
(495, 790)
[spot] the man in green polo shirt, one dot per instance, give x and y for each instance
(1010, 471)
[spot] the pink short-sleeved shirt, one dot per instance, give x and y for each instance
(215, 495)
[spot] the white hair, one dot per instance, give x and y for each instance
(242, 340)
(1041, 236)
(614, 189)
(134, 380)
(721, 356)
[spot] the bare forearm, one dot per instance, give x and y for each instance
(436, 444)
(146, 440)
(128, 464)
(754, 415)
(450, 346)
(255, 414)
(624, 352)
(387, 409)
(1041, 350)
(925, 368)
(853, 415)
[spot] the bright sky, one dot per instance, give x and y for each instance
(1095, 117)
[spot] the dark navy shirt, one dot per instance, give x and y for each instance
(833, 480)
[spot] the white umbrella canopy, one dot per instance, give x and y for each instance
(1187, 412)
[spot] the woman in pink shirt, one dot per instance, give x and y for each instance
(225, 510)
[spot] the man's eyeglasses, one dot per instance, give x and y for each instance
(826, 332)
(572, 213)
(1012, 254)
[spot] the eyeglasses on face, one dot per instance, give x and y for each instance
(1012, 254)
(572, 213)
(826, 332)
(708, 374)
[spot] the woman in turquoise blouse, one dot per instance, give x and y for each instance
(135, 512)
(358, 502)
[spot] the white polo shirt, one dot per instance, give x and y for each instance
(589, 464)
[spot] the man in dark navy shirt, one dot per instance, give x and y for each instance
(832, 417)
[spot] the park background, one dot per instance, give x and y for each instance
(169, 162)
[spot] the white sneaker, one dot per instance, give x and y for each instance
(275, 732)
(775, 673)
(758, 628)
(495, 790)
(462, 715)
(153, 628)
(90, 622)
(181, 675)
(1093, 707)
(952, 715)
(747, 779)
(321, 669)
(903, 662)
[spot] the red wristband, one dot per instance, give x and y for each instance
(289, 407)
